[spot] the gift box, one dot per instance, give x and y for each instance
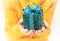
(33, 17)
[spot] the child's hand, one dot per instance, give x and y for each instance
(26, 31)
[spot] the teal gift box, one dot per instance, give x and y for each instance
(33, 17)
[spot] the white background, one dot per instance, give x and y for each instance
(55, 26)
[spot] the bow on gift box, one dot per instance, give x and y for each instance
(33, 17)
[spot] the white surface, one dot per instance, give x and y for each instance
(55, 26)
(2, 23)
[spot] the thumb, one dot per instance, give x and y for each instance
(21, 21)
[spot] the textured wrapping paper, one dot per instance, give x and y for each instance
(33, 17)
(13, 13)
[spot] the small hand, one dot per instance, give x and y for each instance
(26, 31)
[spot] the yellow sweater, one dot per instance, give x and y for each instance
(13, 13)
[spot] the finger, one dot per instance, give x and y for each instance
(21, 22)
(36, 32)
(43, 29)
(39, 32)
(25, 30)
(45, 25)
(30, 32)
(22, 29)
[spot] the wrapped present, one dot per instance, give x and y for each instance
(33, 17)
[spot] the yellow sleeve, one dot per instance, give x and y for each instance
(13, 13)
